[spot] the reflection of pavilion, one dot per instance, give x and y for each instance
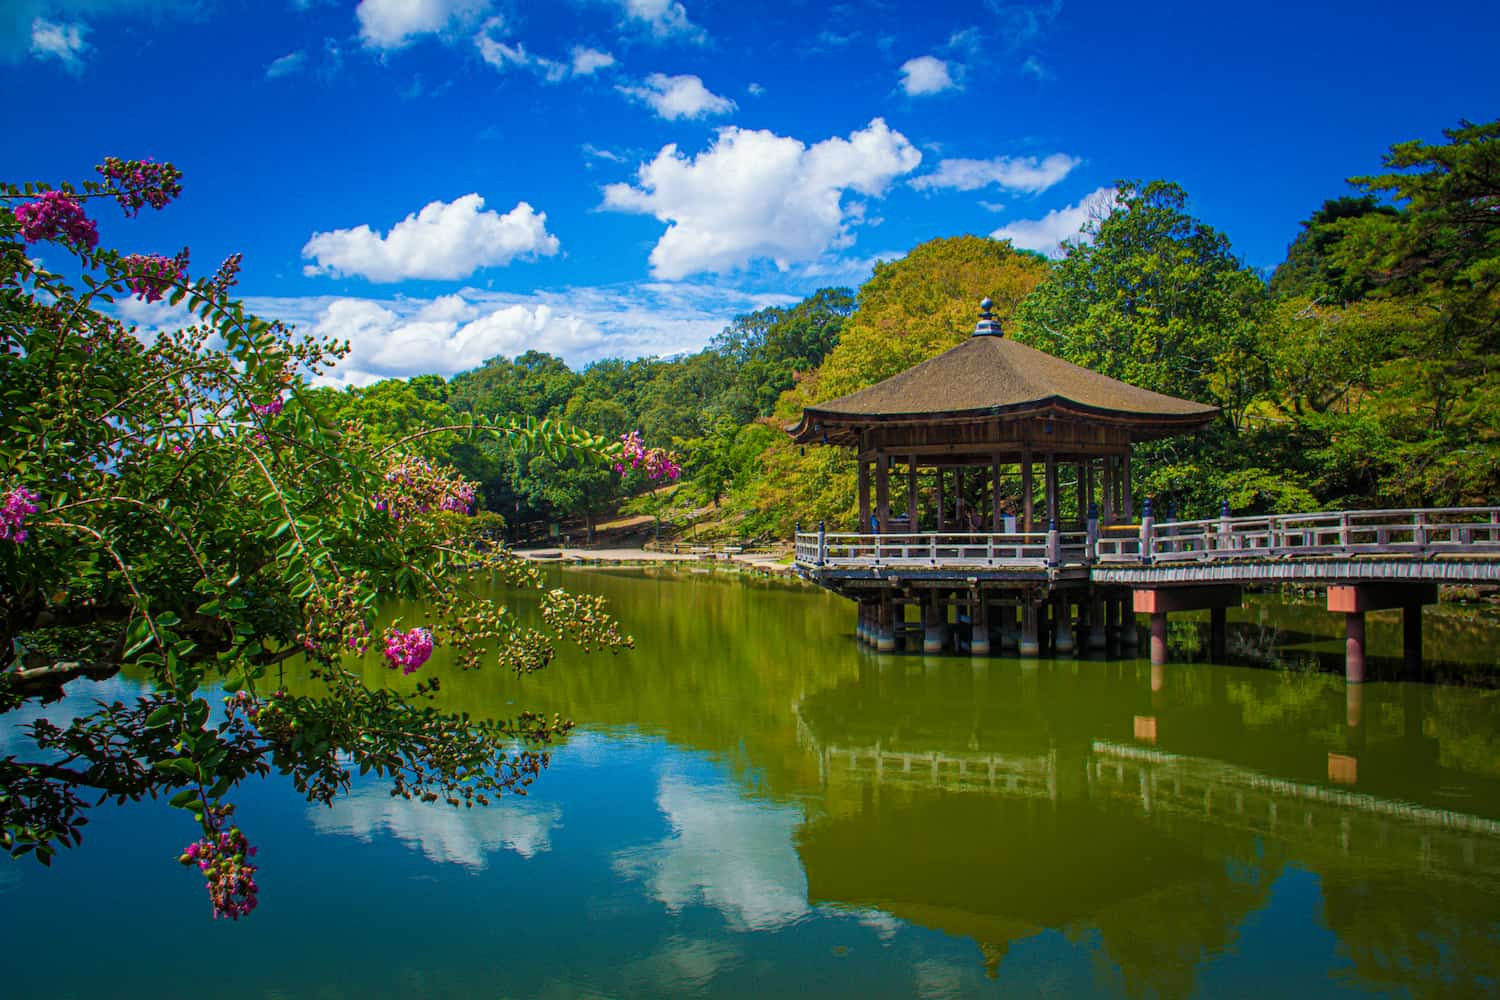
(987, 810)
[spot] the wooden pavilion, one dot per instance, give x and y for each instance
(1001, 408)
(964, 437)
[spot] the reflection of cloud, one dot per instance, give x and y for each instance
(732, 855)
(682, 965)
(443, 833)
(83, 697)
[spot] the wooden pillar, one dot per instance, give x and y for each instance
(932, 622)
(1354, 647)
(941, 504)
(1411, 636)
(864, 497)
(1027, 524)
(1083, 495)
(960, 523)
(1218, 634)
(997, 522)
(1107, 490)
(885, 641)
(1050, 487)
(979, 618)
(883, 490)
(1158, 637)
(911, 493)
(1030, 612)
(1129, 638)
(1064, 643)
(1098, 623)
(1088, 486)
(1127, 502)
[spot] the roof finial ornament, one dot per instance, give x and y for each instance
(987, 326)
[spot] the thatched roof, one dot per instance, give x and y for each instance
(989, 376)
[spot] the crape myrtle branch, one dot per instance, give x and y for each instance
(230, 525)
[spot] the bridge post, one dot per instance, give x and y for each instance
(822, 544)
(1091, 538)
(1148, 523)
(1356, 599)
(1226, 530)
(1054, 544)
(1354, 647)
(885, 640)
(1158, 638)
(1007, 628)
(1129, 636)
(1029, 614)
(1218, 633)
(1098, 623)
(1411, 636)
(1064, 604)
(932, 624)
(979, 618)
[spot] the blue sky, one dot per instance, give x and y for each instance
(441, 181)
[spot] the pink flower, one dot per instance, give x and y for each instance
(141, 182)
(408, 650)
(268, 409)
(17, 504)
(150, 276)
(54, 215)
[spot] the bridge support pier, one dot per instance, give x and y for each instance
(1008, 628)
(979, 618)
(932, 622)
(1218, 634)
(862, 622)
(1353, 600)
(1064, 614)
(886, 640)
(1157, 602)
(1129, 634)
(1030, 612)
(1098, 634)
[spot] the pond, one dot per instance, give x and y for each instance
(752, 803)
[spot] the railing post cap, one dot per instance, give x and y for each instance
(1093, 512)
(1146, 509)
(1052, 524)
(820, 525)
(1224, 508)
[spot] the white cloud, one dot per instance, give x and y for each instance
(755, 195)
(925, 75)
(442, 833)
(587, 61)
(735, 856)
(591, 150)
(445, 240)
(286, 65)
(755, 90)
(503, 55)
(663, 19)
(1048, 233)
(392, 24)
(401, 337)
(1021, 173)
(63, 42)
(673, 97)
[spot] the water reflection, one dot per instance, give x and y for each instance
(1155, 811)
(443, 834)
(725, 852)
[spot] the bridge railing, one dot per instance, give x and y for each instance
(1442, 531)
(1026, 549)
(1434, 531)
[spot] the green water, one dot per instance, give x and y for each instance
(753, 804)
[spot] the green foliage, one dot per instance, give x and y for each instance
(204, 517)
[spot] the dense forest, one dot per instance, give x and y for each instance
(1363, 372)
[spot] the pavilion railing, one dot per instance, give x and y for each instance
(1444, 531)
(1025, 548)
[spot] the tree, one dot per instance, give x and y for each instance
(201, 517)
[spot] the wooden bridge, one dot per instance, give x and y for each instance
(1368, 560)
